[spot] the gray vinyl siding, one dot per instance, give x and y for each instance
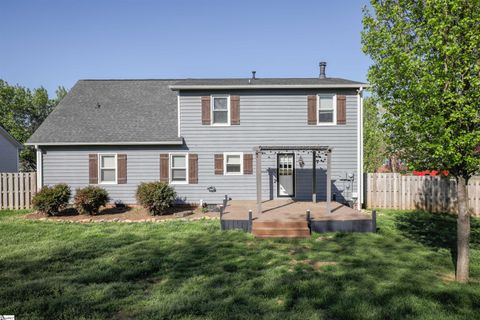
(8, 156)
(272, 118)
(266, 118)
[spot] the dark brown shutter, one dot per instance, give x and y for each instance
(206, 110)
(121, 168)
(248, 163)
(312, 110)
(341, 110)
(93, 169)
(219, 164)
(192, 168)
(234, 110)
(164, 167)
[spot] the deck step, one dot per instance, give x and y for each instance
(282, 236)
(280, 224)
(280, 229)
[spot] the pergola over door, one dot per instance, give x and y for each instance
(327, 151)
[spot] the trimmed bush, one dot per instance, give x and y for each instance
(89, 199)
(156, 196)
(51, 200)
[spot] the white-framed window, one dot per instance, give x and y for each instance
(178, 168)
(107, 168)
(233, 163)
(327, 109)
(220, 106)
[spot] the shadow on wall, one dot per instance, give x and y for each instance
(341, 188)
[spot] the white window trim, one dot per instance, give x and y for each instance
(334, 104)
(225, 154)
(212, 103)
(100, 155)
(170, 167)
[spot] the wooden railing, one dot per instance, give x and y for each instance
(434, 194)
(17, 190)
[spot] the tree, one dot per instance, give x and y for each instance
(374, 146)
(22, 112)
(425, 73)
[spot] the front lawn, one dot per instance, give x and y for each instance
(192, 270)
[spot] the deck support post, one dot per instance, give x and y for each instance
(258, 172)
(250, 220)
(329, 179)
(225, 200)
(314, 177)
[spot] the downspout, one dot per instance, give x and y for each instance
(39, 167)
(360, 147)
(178, 113)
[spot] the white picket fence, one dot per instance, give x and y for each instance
(434, 194)
(17, 190)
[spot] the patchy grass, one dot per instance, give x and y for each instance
(192, 270)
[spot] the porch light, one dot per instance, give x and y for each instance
(301, 163)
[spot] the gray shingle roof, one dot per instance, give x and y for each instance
(270, 81)
(130, 111)
(139, 111)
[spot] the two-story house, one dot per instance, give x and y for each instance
(203, 136)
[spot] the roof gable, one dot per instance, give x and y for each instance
(9, 138)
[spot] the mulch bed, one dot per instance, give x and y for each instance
(128, 214)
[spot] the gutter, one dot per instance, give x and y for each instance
(179, 142)
(267, 86)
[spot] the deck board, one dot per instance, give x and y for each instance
(288, 210)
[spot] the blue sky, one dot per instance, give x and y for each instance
(52, 43)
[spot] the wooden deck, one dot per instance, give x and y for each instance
(290, 210)
(342, 218)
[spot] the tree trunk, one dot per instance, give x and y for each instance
(463, 231)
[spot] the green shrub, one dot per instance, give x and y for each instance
(51, 200)
(155, 196)
(89, 199)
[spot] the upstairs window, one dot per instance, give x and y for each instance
(233, 163)
(108, 168)
(326, 109)
(178, 168)
(220, 110)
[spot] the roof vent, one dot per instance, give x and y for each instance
(253, 75)
(323, 66)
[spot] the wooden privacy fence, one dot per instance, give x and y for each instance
(17, 190)
(434, 194)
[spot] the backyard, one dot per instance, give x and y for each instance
(192, 270)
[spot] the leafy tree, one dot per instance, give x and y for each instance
(425, 73)
(374, 146)
(22, 112)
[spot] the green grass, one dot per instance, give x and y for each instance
(192, 270)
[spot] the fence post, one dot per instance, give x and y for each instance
(250, 220)
(374, 220)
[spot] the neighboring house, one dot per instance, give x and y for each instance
(9, 152)
(200, 136)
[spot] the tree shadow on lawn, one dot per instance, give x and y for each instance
(435, 230)
(193, 270)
